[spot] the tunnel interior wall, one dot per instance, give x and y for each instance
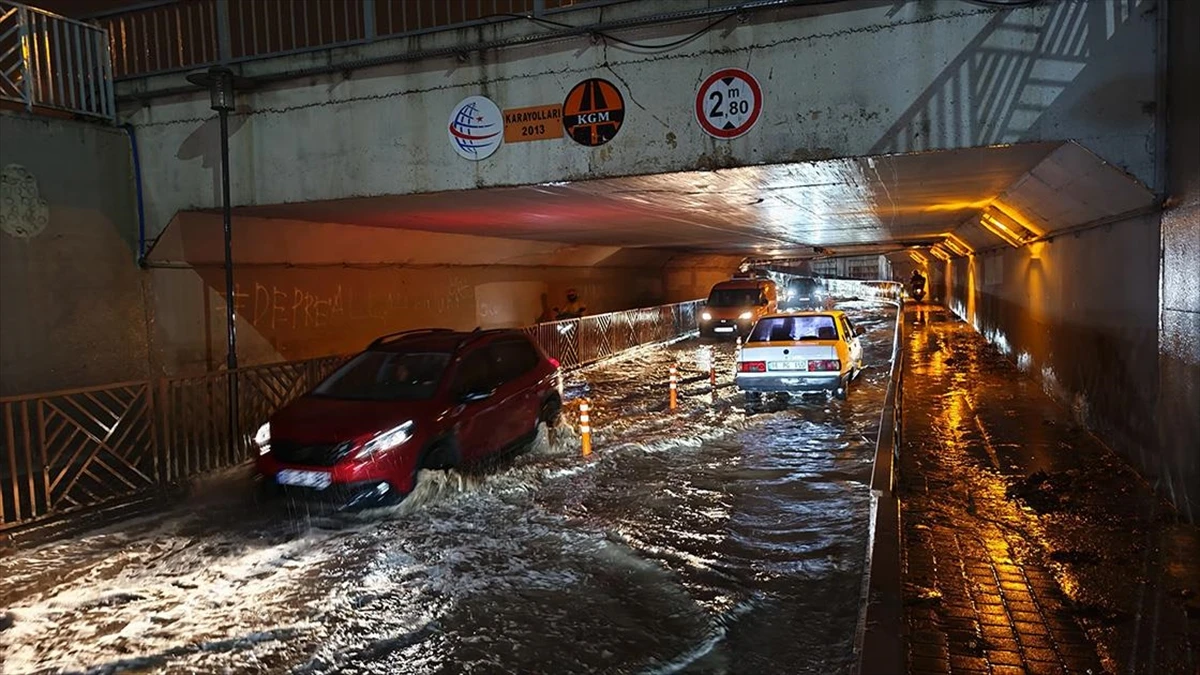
(1078, 312)
(71, 294)
(309, 289)
(291, 313)
(1179, 345)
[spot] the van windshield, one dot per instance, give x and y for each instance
(735, 297)
(386, 376)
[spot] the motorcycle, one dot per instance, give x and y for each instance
(917, 290)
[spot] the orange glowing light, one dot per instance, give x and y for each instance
(1018, 218)
(1000, 230)
(918, 258)
(958, 205)
(960, 242)
(939, 253)
(950, 245)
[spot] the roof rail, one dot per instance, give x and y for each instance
(392, 337)
(476, 334)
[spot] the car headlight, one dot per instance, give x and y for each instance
(746, 315)
(386, 440)
(707, 316)
(262, 438)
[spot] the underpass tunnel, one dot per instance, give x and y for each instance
(1044, 248)
(1034, 161)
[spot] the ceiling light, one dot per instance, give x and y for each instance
(953, 246)
(1013, 233)
(960, 243)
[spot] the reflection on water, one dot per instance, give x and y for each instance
(700, 541)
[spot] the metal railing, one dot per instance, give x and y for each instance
(66, 451)
(49, 61)
(173, 35)
(578, 342)
(878, 643)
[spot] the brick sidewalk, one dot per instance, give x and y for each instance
(1024, 538)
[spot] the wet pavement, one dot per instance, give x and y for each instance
(703, 540)
(1029, 547)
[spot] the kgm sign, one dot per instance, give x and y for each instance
(593, 112)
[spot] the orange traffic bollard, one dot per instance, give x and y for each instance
(674, 386)
(585, 427)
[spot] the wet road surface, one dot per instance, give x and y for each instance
(700, 541)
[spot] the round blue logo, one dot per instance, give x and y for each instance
(476, 128)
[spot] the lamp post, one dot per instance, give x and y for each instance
(221, 83)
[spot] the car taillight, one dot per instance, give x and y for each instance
(752, 366)
(830, 364)
(553, 362)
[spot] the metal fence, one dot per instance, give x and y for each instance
(577, 342)
(49, 61)
(875, 290)
(69, 450)
(172, 35)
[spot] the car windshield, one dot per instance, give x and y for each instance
(792, 328)
(386, 376)
(734, 297)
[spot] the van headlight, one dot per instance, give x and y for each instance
(707, 316)
(746, 315)
(262, 438)
(386, 440)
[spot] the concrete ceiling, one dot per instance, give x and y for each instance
(773, 209)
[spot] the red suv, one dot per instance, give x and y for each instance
(425, 399)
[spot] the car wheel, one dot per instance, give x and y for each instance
(550, 412)
(843, 389)
(268, 488)
(442, 456)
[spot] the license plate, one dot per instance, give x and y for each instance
(312, 479)
(788, 365)
(723, 329)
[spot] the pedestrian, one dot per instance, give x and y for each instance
(574, 308)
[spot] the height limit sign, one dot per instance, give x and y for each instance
(728, 103)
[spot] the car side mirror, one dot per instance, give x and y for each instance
(859, 330)
(475, 396)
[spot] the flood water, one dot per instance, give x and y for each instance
(704, 540)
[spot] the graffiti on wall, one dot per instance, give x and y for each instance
(273, 307)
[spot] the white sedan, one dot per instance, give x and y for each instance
(799, 353)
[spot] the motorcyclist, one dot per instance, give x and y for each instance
(574, 307)
(916, 284)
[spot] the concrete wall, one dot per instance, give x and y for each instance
(1179, 343)
(839, 80)
(1079, 313)
(306, 289)
(290, 313)
(71, 309)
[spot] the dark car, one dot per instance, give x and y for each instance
(429, 399)
(803, 293)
